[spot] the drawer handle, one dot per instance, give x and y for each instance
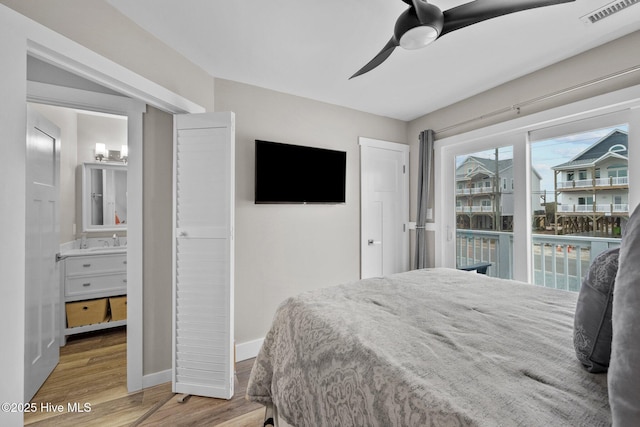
(85, 308)
(124, 280)
(124, 262)
(86, 284)
(86, 265)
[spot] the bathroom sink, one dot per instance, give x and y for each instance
(108, 249)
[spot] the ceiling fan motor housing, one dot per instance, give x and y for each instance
(419, 25)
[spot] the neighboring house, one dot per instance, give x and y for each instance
(484, 194)
(592, 189)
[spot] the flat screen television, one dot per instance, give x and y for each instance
(288, 173)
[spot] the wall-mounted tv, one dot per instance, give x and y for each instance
(288, 173)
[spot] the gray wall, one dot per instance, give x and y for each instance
(157, 241)
(285, 249)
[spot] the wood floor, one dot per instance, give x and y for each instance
(92, 370)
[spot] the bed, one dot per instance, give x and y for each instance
(433, 347)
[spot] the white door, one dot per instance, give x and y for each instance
(42, 286)
(384, 198)
(203, 339)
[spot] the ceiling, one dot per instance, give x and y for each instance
(311, 48)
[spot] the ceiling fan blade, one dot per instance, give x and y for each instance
(481, 10)
(379, 58)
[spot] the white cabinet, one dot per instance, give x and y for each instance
(92, 277)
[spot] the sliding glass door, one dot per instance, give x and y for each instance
(537, 201)
(484, 210)
(581, 202)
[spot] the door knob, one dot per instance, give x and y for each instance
(372, 242)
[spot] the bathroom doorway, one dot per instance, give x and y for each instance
(92, 255)
(56, 88)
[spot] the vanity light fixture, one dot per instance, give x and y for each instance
(101, 151)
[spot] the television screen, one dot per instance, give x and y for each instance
(288, 173)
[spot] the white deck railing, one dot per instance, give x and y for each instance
(597, 182)
(597, 208)
(558, 261)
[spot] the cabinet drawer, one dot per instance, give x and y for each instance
(88, 285)
(95, 264)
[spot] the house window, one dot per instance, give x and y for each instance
(597, 173)
(582, 201)
(582, 175)
(570, 176)
(504, 183)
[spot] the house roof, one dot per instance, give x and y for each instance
(487, 166)
(614, 144)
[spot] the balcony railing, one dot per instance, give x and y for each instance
(558, 261)
(474, 209)
(476, 190)
(591, 183)
(595, 208)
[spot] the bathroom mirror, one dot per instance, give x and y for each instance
(104, 197)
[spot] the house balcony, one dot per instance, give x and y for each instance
(594, 208)
(597, 183)
(475, 209)
(474, 191)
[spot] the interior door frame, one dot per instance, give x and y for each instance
(99, 102)
(397, 147)
(51, 47)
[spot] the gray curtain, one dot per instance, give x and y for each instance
(425, 168)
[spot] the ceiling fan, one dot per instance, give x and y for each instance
(423, 22)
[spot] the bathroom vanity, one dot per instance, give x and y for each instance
(93, 278)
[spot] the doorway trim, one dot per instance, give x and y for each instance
(99, 102)
(22, 36)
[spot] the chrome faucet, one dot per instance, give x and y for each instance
(116, 240)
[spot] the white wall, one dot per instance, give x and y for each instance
(13, 123)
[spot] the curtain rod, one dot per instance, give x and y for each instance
(552, 95)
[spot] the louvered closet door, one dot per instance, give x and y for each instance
(203, 281)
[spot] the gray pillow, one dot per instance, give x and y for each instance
(624, 368)
(592, 324)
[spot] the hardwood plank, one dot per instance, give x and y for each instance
(92, 370)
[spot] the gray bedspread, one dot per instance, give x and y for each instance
(435, 347)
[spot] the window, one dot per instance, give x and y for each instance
(579, 220)
(484, 228)
(537, 231)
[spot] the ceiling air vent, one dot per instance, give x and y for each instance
(608, 10)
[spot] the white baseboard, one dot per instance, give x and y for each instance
(244, 351)
(156, 378)
(248, 350)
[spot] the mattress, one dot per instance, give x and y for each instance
(434, 347)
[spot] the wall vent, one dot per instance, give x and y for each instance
(607, 10)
